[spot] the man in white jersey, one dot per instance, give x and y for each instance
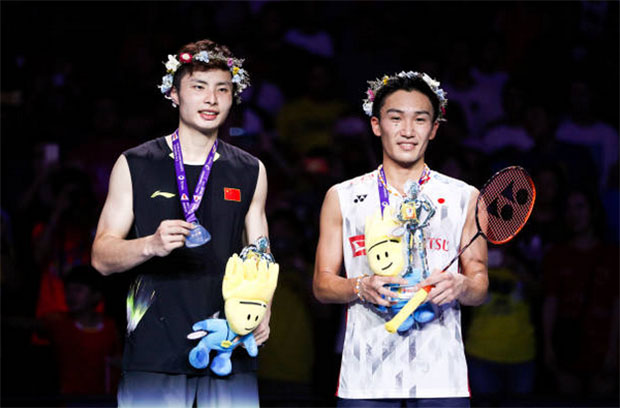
(424, 365)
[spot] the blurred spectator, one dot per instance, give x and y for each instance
(307, 122)
(580, 312)
(584, 128)
(569, 158)
(509, 131)
(286, 363)
(464, 164)
(96, 152)
(83, 360)
(10, 281)
(545, 226)
(611, 202)
(353, 131)
(252, 124)
(490, 77)
(269, 57)
(500, 342)
(521, 24)
(64, 239)
(85, 343)
(308, 35)
(462, 88)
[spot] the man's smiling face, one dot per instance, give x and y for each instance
(204, 99)
(406, 126)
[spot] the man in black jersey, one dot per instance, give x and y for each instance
(162, 191)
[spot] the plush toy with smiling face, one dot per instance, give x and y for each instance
(384, 251)
(248, 287)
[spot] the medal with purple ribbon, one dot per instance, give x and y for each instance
(384, 192)
(199, 234)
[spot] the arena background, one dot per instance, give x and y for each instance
(529, 83)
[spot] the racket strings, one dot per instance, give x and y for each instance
(505, 204)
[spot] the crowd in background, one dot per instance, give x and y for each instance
(529, 83)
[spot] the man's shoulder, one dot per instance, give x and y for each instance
(150, 149)
(441, 179)
(236, 154)
(361, 180)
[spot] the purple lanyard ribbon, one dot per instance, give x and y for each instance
(190, 205)
(384, 194)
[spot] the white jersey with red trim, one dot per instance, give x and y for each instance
(427, 361)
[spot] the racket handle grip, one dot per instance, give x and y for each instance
(413, 303)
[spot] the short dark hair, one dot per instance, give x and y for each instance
(196, 65)
(408, 84)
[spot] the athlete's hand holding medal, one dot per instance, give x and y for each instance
(170, 235)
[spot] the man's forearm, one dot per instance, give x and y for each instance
(475, 291)
(330, 288)
(112, 254)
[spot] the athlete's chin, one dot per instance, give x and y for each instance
(406, 162)
(208, 127)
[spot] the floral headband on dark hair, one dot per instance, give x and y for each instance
(239, 75)
(379, 83)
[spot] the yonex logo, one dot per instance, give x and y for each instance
(506, 212)
(360, 198)
(162, 194)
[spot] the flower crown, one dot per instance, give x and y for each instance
(239, 75)
(379, 83)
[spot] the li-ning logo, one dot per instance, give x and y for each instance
(360, 198)
(162, 194)
(358, 245)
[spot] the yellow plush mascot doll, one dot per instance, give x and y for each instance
(249, 283)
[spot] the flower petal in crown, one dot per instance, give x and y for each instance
(202, 56)
(238, 75)
(367, 107)
(185, 58)
(166, 84)
(173, 64)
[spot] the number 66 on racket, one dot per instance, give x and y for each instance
(503, 207)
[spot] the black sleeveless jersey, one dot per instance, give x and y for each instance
(187, 284)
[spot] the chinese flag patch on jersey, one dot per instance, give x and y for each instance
(232, 194)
